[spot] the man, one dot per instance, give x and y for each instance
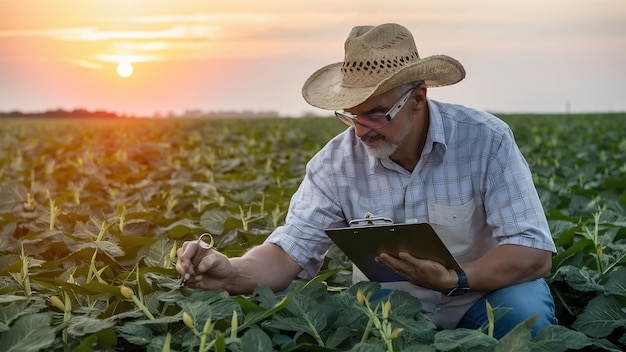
(411, 159)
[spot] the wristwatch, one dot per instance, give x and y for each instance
(461, 286)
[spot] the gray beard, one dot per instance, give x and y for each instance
(382, 151)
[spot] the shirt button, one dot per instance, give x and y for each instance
(437, 309)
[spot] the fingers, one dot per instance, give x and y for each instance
(202, 266)
(184, 254)
(206, 263)
(189, 255)
(210, 272)
(392, 263)
(418, 271)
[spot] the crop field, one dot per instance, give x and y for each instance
(92, 211)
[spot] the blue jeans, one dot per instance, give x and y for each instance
(512, 305)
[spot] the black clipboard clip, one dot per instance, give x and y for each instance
(369, 219)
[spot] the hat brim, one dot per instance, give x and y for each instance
(324, 89)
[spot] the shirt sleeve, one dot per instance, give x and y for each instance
(512, 204)
(313, 208)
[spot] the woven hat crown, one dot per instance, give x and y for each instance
(374, 53)
(376, 60)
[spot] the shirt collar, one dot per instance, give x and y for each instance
(436, 133)
(435, 136)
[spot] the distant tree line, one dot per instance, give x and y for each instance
(103, 114)
(61, 113)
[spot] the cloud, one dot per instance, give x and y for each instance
(87, 64)
(207, 18)
(193, 32)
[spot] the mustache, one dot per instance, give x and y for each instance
(371, 137)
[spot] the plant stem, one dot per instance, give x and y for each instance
(490, 318)
(366, 332)
(168, 341)
(205, 333)
(67, 314)
(142, 306)
(317, 336)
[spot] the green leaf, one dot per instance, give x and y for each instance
(557, 338)
(407, 313)
(157, 343)
(29, 333)
(87, 344)
(81, 325)
(265, 297)
(367, 347)
(226, 165)
(13, 298)
(616, 283)
(7, 242)
(20, 306)
(255, 317)
(419, 347)
(181, 228)
(256, 340)
(98, 287)
(602, 315)
(464, 339)
(306, 316)
(247, 305)
(135, 333)
(581, 279)
(215, 305)
(159, 252)
(12, 197)
(213, 220)
(580, 246)
(369, 289)
(606, 345)
(622, 339)
(518, 339)
(220, 344)
(404, 304)
(563, 231)
(323, 276)
(137, 227)
(112, 249)
(339, 335)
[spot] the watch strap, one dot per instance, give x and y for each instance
(462, 285)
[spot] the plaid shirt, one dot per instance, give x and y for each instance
(472, 184)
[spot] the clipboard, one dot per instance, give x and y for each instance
(369, 237)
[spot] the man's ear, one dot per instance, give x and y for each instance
(420, 97)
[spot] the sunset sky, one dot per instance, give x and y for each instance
(520, 56)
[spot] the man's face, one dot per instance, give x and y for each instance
(384, 142)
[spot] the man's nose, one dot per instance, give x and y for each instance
(361, 130)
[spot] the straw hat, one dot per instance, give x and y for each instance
(376, 60)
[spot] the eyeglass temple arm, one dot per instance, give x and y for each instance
(400, 104)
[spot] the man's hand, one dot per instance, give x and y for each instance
(203, 267)
(420, 272)
(502, 266)
(266, 264)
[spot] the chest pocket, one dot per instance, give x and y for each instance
(458, 227)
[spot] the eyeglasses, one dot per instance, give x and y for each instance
(374, 119)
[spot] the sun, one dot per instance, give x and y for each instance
(124, 69)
